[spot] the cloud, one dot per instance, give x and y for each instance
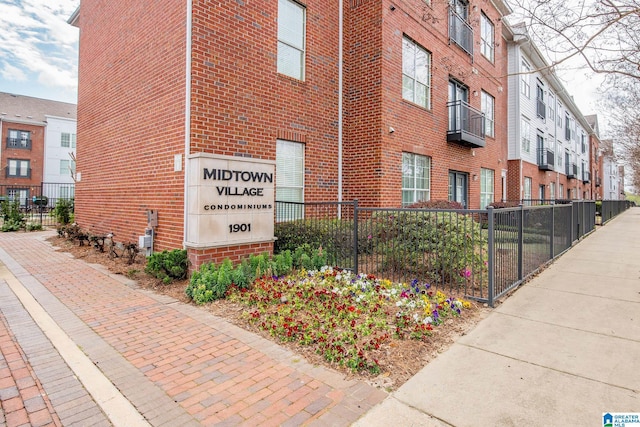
(35, 40)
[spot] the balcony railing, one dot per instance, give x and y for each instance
(19, 143)
(571, 171)
(545, 159)
(466, 124)
(586, 177)
(598, 181)
(460, 32)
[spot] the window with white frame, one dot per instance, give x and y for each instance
(552, 190)
(416, 178)
(525, 78)
(561, 191)
(416, 73)
(486, 37)
(289, 179)
(551, 108)
(488, 108)
(19, 168)
(291, 38)
(486, 187)
(527, 190)
(525, 132)
(67, 167)
(68, 140)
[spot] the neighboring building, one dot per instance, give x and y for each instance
(613, 173)
(595, 158)
(548, 135)
(38, 136)
(186, 120)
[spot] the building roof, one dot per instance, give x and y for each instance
(33, 111)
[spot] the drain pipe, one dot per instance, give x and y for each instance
(340, 93)
(187, 123)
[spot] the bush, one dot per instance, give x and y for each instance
(34, 227)
(63, 211)
(439, 245)
(12, 218)
(168, 265)
(212, 282)
(436, 204)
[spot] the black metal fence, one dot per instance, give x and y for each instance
(611, 208)
(481, 254)
(36, 202)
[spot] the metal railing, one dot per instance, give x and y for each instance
(466, 124)
(460, 32)
(545, 159)
(36, 203)
(610, 208)
(481, 254)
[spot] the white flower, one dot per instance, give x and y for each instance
(427, 320)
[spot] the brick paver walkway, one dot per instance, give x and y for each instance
(178, 364)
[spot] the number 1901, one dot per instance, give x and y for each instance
(239, 228)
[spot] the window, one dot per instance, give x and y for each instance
(486, 187)
(486, 37)
(289, 178)
(291, 39)
(67, 167)
(552, 190)
(416, 178)
(68, 140)
(460, 32)
(21, 195)
(19, 168)
(416, 74)
(19, 139)
(541, 108)
(525, 88)
(561, 190)
(567, 127)
(583, 141)
(487, 107)
(559, 115)
(551, 109)
(527, 190)
(526, 135)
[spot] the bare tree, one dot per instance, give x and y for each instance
(602, 33)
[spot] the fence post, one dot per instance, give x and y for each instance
(521, 243)
(491, 256)
(573, 215)
(552, 232)
(355, 237)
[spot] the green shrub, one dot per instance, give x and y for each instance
(34, 227)
(438, 245)
(168, 265)
(436, 204)
(13, 219)
(63, 211)
(335, 236)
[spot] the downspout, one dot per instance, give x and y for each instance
(340, 93)
(187, 121)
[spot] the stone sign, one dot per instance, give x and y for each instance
(231, 200)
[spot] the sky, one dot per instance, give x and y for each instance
(38, 49)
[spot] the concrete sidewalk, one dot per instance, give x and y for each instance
(563, 349)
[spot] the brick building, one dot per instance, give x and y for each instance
(37, 137)
(180, 102)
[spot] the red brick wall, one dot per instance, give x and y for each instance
(35, 155)
(131, 105)
(373, 156)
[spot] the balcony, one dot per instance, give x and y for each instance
(545, 159)
(571, 170)
(586, 177)
(466, 125)
(598, 182)
(24, 144)
(460, 32)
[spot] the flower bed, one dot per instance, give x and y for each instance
(350, 321)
